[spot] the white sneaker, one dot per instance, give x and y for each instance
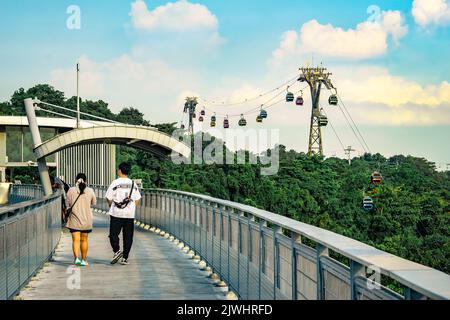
(117, 256)
(124, 262)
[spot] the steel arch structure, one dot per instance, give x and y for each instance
(145, 138)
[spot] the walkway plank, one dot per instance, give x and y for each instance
(157, 271)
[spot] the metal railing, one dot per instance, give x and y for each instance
(30, 229)
(21, 193)
(262, 255)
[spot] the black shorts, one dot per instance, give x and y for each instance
(82, 231)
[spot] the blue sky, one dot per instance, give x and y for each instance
(233, 49)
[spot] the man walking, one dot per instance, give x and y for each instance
(123, 197)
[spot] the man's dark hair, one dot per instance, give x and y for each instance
(125, 168)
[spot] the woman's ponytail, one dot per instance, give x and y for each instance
(81, 182)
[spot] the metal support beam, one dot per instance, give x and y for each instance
(356, 270)
(411, 294)
(322, 251)
(35, 135)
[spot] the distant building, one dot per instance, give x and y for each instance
(98, 161)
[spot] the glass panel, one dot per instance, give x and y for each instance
(14, 137)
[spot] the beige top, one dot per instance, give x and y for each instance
(81, 217)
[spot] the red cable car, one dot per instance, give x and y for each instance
(376, 178)
(299, 101)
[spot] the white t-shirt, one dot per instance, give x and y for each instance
(118, 191)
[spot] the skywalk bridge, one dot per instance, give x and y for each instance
(192, 246)
(189, 246)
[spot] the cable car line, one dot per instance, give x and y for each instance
(335, 132)
(351, 118)
(351, 126)
(223, 104)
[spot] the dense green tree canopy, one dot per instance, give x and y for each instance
(412, 214)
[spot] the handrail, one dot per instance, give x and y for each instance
(29, 233)
(428, 281)
(28, 203)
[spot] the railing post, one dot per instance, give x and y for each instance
(321, 251)
(411, 294)
(296, 239)
(356, 270)
(250, 219)
(262, 259)
(277, 230)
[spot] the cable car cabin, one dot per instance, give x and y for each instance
(194, 116)
(323, 121)
(203, 113)
(263, 114)
(201, 119)
(182, 127)
(333, 100)
(242, 121)
(213, 119)
(290, 97)
(376, 178)
(226, 124)
(299, 101)
(259, 119)
(368, 204)
(213, 124)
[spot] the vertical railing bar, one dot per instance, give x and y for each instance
(356, 270)
(321, 251)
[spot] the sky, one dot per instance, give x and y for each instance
(389, 61)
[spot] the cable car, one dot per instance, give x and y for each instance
(376, 178)
(259, 119)
(333, 100)
(226, 123)
(242, 121)
(213, 118)
(182, 127)
(290, 97)
(213, 124)
(299, 101)
(201, 119)
(368, 204)
(203, 113)
(323, 120)
(194, 116)
(263, 114)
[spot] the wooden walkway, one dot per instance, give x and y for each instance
(157, 271)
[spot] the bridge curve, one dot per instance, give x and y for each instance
(247, 251)
(145, 138)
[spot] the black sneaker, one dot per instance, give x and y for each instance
(117, 256)
(124, 262)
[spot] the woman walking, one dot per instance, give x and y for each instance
(80, 199)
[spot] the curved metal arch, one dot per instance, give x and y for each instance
(148, 139)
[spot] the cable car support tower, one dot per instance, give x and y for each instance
(315, 78)
(189, 108)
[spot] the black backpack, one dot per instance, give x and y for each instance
(125, 202)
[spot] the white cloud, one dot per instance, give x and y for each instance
(376, 85)
(179, 16)
(368, 39)
(151, 85)
(429, 12)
